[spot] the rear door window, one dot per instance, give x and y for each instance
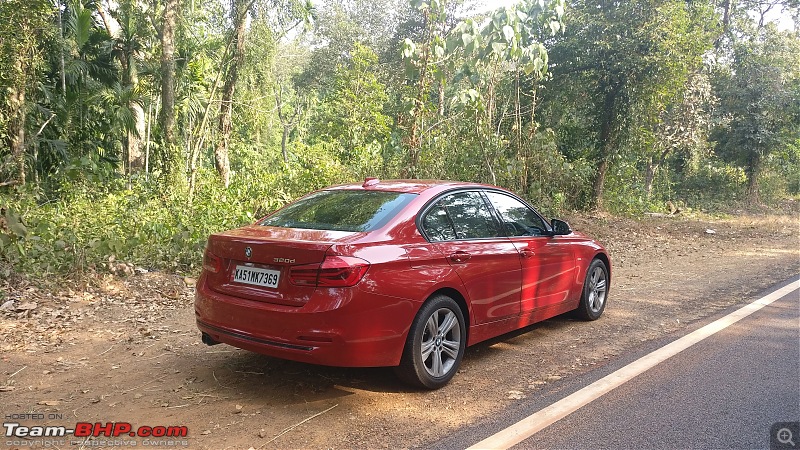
(460, 216)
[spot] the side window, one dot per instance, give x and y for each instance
(463, 215)
(437, 225)
(518, 219)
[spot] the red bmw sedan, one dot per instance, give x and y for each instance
(403, 273)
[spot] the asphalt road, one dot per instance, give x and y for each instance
(726, 391)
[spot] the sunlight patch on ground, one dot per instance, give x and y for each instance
(765, 252)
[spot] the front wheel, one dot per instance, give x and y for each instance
(435, 344)
(595, 292)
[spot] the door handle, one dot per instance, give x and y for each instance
(460, 257)
(526, 253)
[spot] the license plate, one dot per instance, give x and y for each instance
(259, 277)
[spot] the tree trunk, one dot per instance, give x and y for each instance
(130, 78)
(599, 183)
(62, 72)
(727, 6)
(753, 172)
(221, 160)
(652, 169)
(650, 176)
(284, 138)
(147, 142)
(134, 137)
(606, 144)
(441, 98)
(418, 116)
(16, 131)
(171, 152)
(135, 153)
(417, 123)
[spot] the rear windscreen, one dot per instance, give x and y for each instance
(341, 210)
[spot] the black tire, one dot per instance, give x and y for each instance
(595, 292)
(438, 327)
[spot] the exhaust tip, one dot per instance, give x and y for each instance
(208, 340)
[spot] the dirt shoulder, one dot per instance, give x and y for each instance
(127, 350)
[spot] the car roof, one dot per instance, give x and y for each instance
(407, 186)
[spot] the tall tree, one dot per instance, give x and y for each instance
(759, 101)
(683, 126)
(296, 12)
(290, 107)
(238, 12)
(123, 23)
(425, 59)
(24, 24)
(171, 150)
(351, 115)
(619, 54)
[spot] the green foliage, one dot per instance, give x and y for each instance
(24, 30)
(97, 222)
(625, 192)
(513, 34)
(553, 99)
(555, 183)
(787, 165)
(351, 116)
(618, 71)
(713, 186)
(760, 102)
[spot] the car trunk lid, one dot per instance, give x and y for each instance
(254, 261)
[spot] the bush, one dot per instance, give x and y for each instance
(91, 225)
(713, 186)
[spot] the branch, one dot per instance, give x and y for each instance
(214, 87)
(104, 16)
(45, 124)
(155, 26)
(288, 429)
(288, 30)
(445, 119)
(222, 71)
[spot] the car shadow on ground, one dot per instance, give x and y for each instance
(289, 382)
(511, 338)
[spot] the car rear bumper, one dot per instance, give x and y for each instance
(344, 327)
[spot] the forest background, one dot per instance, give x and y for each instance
(132, 129)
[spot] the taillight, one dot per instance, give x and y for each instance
(212, 262)
(334, 271)
(341, 271)
(305, 275)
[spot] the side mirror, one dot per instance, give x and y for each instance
(560, 227)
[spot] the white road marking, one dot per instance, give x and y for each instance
(545, 417)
